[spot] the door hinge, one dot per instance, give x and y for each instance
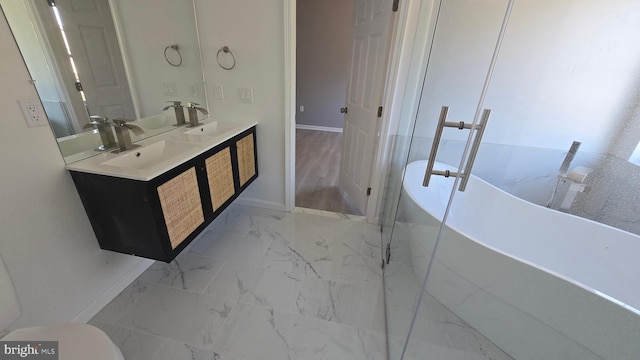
(78, 85)
(368, 191)
(395, 5)
(344, 110)
(387, 253)
(380, 111)
(51, 3)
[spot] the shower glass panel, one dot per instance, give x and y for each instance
(536, 259)
(459, 90)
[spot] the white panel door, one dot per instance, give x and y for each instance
(94, 46)
(371, 34)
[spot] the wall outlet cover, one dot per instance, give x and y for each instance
(169, 89)
(194, 90)
(219, 90)
(33, 112)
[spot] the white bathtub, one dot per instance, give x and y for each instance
(539, 283)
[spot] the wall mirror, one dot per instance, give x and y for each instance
(108, 58)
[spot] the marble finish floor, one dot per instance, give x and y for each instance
(259, 284)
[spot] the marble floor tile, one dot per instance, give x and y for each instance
(121, 303)
(234, 280)
(329, 300)
(343, 264)
(256, 333)
(187, 271)
(371, 310)
(263, 284)
(192, 318)
(231, 222)
(245, 249)
(175, 350)
(275, 290)
(283, 256)
(135, 345)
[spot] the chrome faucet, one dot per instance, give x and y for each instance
(177, 106)
(193, 113)
(122, 134)
(104, 129)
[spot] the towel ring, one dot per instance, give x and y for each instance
(177, 50)
(225, 49)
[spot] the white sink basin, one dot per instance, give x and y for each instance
(148, 156)
(211, 129)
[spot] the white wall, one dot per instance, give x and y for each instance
(568, 70)
(23, 31)
(148, 26)
(46, 240)
(254, 31)
(323, 52)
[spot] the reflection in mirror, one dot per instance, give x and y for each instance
(96, 59)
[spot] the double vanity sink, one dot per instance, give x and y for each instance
(154, 199)
(154, 155)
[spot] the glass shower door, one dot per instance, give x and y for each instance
(410, 232)
(537, 257)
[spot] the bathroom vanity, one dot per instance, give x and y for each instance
(153, 200)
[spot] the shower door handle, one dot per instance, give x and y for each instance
(466, 173)
(442, 123)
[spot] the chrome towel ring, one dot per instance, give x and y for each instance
(225, 49)
(177, 50)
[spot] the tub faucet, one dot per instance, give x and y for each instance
(193, 113)
(562, 171)
(104, 129)
(122, 134)
(569, 158)
(177, 107)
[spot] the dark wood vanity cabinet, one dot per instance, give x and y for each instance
(158, 218)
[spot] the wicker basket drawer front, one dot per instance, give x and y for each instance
(181, 206)
(220, 176)
(246, 159)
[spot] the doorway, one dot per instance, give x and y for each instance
(322, 58)
(341, 57)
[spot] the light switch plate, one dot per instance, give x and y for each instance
(33, 112)
(245, 95)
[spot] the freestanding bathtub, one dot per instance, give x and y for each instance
(539, 283)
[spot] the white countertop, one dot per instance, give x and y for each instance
(198, 145)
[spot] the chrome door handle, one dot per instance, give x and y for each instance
(466, 173)
(442, 123)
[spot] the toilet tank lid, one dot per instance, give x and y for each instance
(9, 306)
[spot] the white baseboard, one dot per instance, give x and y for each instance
(318, 128)
(259, 203)
(112, 291)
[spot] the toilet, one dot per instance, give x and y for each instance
(75, 341)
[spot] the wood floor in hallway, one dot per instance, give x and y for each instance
(317, 167)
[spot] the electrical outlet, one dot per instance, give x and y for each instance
(219, 90)
(245, 95)
(33, 112)
(301, 108)
(194, 90)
